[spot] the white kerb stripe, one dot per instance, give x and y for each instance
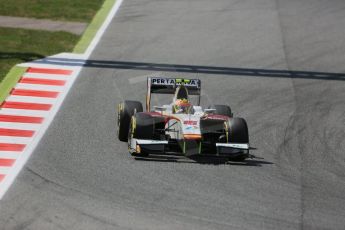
(4, 170)
(39, 87)
(9, 155)
(15, 140)
(24, 112)
(47, 76)
(17, 125)
(40, 100)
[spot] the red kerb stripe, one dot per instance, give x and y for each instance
(2, 176)
(38, 81)
(34, 93)
(16, 132)
(6, 162)
(25, 105)
(50, 71)
(11, 147)
(21, 119)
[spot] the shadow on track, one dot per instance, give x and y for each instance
(22, 56)
(207, 160)
(252, 72)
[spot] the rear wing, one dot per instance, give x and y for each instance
(161, 85)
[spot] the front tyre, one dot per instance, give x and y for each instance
(125, 111)
(142, 126)
(238, 133)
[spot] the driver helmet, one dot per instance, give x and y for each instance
(182, 106)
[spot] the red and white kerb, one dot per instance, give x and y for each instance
(24, 112)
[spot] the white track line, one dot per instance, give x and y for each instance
(103, 28)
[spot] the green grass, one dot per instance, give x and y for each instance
(66, 10)
(10, 80)
(19, 45)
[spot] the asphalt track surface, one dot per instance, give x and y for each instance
(81, 177)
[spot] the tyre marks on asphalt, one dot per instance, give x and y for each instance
(23, 114)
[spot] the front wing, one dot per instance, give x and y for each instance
(160, 146)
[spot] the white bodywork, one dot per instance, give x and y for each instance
(180, 126)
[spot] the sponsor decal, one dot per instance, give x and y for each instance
(190, 122)
(191, 127)
(172, 81)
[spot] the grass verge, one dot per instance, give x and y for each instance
(20, 45)
(65, 10)
(10, 80)
(93, 27)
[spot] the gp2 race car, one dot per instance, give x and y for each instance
(181, 126)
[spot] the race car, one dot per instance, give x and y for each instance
(181, 126)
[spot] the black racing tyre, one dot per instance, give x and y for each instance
(238, 133)
(149, 127)
(238, 130)
(224, 110)
(125, 111)
(143, 126)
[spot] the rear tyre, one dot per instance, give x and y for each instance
(125, 111)
(224, 110)
(238, 133)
